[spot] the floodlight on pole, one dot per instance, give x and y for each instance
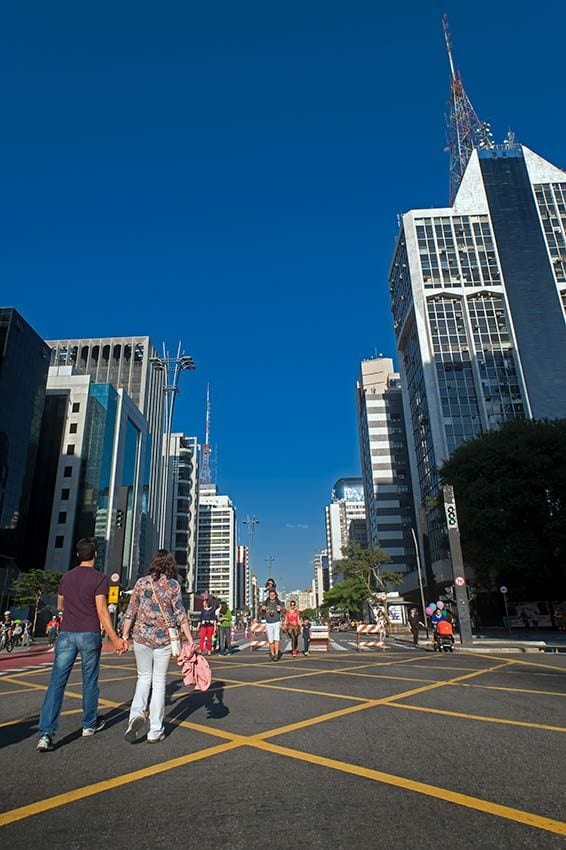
(170, 368)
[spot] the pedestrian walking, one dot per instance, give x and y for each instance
(52, 630)
(306, 635)
(272, 609)
(224, 628)
(415, 624)
(207, 627)
(82, 597)
(155, 609)
(292, 625)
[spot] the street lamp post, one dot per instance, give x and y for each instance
(171, 368)
(420, 578)
(250, 522)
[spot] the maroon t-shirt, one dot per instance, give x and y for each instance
(79, 587)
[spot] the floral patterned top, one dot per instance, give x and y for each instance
(150, 628)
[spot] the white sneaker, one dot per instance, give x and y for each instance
(160, 737)
(136, 729)
(100, 724)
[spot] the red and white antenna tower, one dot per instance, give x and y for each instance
(205, 476)
(465, 130)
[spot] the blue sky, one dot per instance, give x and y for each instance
(230, 175)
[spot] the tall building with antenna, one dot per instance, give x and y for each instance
(478, 296)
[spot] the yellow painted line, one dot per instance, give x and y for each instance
(520, 690)
(519, 661)
(108, 784)
(15, 691)
(332, 715)
(301, 691)
(485, 719)
(391, 678)
(449, 796)
(36, 717)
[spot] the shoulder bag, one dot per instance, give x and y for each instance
(174, 635)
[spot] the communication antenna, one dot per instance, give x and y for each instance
(465, 130)
(205, 476)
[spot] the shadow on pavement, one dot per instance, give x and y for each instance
(212, 700)
(20, 731)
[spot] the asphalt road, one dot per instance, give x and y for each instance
(394, 749)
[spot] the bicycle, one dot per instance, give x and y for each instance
(6, 643)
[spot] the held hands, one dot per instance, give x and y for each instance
(120, 645)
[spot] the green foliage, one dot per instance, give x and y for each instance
(348, 595)
(510, 488)
(309, 612)
(366, 565)
(32, 586)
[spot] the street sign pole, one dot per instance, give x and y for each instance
(461, 593)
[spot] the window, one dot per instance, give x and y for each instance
(59, 541)
(65, 494)
(73, 428)
(71, 449)
(68, 472)
(62, 517)
(76, 407)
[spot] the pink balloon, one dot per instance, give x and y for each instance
(429, 611)
(440, 605)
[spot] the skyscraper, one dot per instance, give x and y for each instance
(385, 463)
(127, 363)
(92, 476)
(216, 545)
(478, 295)
(345, 521)
(182, 505)
(242, 579)
(24, 361)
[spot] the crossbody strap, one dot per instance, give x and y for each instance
(160, 605)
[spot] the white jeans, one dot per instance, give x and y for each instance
(152, 667)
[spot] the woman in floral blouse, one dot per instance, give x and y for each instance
(155, 606)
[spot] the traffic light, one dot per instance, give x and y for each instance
(119, 518)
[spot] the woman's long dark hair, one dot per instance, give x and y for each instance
(163, 564)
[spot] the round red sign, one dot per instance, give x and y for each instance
(460, 580)
(115, 577)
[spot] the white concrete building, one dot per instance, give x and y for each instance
(385, 463)
(345, 521)
(216, 544)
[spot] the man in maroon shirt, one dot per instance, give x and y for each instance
(82, 596)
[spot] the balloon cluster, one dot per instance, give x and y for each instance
(436, 608)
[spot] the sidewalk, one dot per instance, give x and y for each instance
(499, 640)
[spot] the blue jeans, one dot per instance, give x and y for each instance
(68, 645)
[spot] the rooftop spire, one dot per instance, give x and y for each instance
(465, 129)
(205, 476)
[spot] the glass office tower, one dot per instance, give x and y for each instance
(478, 295)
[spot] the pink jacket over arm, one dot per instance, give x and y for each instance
(195, 669)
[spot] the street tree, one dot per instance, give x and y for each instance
(510, 488)
(367, 566)
(347, 596)
(30, 588)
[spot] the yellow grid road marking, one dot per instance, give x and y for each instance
(108, 784)
(518, 690)
(299, 691)
(517, 815)
(15, 691)
(480, 717)
(518, 661)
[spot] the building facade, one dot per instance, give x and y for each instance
(126, 363)
(181, 527)
(92, 478)
(242, 579)
(478, 295)
(385, 463)
(321, 580)
(345, 521)
(216, 545)
(24, 361)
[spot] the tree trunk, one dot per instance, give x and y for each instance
(35, 613)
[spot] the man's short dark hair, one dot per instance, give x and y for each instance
(86, 549)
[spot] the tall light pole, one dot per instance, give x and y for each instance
(420, 577)
(250, 522)
(171, 368)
